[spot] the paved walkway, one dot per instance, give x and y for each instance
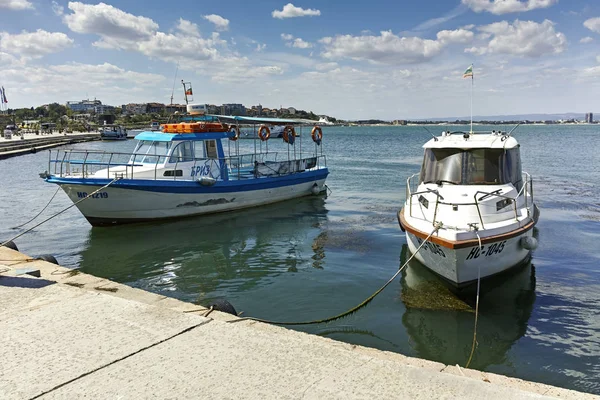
(69, 335)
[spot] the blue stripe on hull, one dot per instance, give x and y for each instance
(167, 186)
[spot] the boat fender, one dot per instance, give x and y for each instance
(289, 134)
(223, 306)
(10, 244)
(528, 243)
(49, 258)
(236, 131)
(206, 180)
(264, 133)
(315, 189)
(317, 135)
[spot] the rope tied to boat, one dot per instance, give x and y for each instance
(40, 213)
(476, 304)
(62, 211)
(438, 225)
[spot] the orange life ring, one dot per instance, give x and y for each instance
(317, 134)
(264, 133)
(289, 134)
(235, 129)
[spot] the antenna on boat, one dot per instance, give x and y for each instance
(516, 126)
(432, 135)
(174, 79)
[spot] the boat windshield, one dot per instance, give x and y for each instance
(150, 152)
(472, 167)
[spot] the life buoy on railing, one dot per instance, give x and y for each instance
(236, 130)
(264, 133)
(289, 134)
(317, 134)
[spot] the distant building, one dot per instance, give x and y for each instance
(155, 108)
(104, 109)
(290, 110)
(400, 122)
(589, 118)
(233, 109)
(171, 108)
(83, 105)
(135, 108)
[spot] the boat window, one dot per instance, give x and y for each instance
(472, 167)
(182, 152)
(211, 148)
(442, 165)
(149, 152)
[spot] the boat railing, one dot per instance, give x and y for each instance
(86, 163)
(526, 192)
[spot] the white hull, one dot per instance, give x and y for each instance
(119, 205)
(461, 266)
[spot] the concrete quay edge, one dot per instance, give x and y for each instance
(138, 331)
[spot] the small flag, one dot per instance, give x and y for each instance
(468, 72)
(188, 92)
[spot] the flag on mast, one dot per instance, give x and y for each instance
(469, 72)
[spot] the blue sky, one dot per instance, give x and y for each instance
(352, 60)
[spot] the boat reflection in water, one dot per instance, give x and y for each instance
(219, 255)
(439, 322)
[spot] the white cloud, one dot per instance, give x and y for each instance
(34, 44)
(57, 9)
(522, 38)
(291, 11)
(586, 39)
(287, 36)
(221, 24)
(499, 7)
(301, 44)
(108, 22)
(326, 66)
(593, 24)
(385, 48)
(260, 47)
(188, 28)
(456, 36)
(16, 5)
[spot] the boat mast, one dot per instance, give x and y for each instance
(174, 78)
(472, 81)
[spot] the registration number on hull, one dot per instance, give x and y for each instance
(100, 195)
(494, 248)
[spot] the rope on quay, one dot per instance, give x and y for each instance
(476, 307)
(353, 309)
(62, 211)
(38, 214)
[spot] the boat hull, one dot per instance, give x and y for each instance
(122, 203)
(462, 266)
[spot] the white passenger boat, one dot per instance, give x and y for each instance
(472, 188)
(191, 167)
(113, 132)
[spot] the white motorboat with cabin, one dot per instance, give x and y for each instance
(113, 132)
(471, 188)
(194, 166)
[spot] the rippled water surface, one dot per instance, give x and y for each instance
(315, 257)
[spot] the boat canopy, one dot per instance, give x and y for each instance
(464, 140)
(172, 137)
(263, 120)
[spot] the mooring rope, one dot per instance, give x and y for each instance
(353, 309)
(38, 214)
(62, 211)
(476, 306)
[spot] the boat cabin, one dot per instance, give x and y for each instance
(472, 159)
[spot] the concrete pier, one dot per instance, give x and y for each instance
(32, 143)
(70, 335)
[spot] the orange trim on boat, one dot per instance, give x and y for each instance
(461, 244)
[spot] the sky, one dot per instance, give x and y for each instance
(384, 59)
